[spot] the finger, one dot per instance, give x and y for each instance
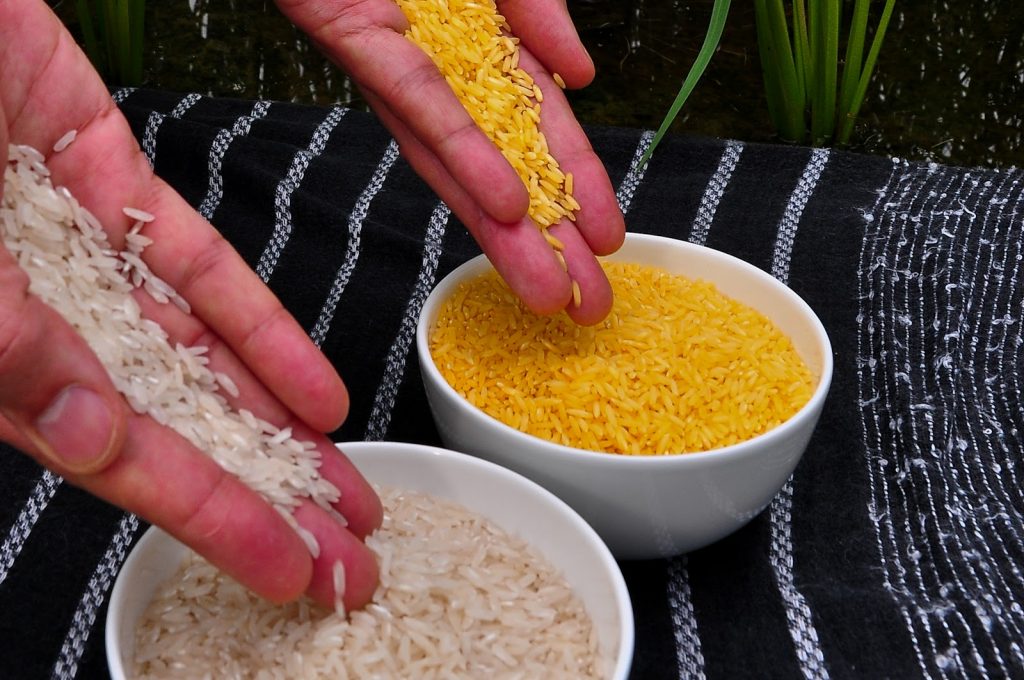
(359, 503)
(359, 564)
(599, 218)
(53, 389)
(3, 142)
(399, 73)
(592, 301)
(518, 250)
(545, 28)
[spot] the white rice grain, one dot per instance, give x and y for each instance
(137, 214)
(338, 578)
(65, 141)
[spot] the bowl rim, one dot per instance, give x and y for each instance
(626, 639)
(808, 412)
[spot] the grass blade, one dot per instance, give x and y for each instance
(769, 68)
(854, 55)
(138, 23)
(802, 49)
(124, 43)
(823, 107)
(714, 35)
(784, 88)
(108, 33)
(846, 125)
(92, 44)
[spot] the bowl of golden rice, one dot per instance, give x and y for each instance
(483, 573)
(669, 425)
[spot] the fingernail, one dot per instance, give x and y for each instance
(77, 428)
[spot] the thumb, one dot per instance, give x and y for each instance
(53, 390)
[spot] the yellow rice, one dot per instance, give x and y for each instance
(677, 367)
(470, 43)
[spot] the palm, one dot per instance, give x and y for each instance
(439, 140)
(49, 88)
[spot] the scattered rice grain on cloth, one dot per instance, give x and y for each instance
(458, 598)
(677, 367)
(75, 270)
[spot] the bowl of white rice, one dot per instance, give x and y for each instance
(483, 573)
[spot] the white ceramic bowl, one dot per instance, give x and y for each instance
(508, 499)
(650, 506)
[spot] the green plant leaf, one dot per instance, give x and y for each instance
(113, 37)
(826, 42)
(784, 88)
(92, 43)
(846, 123)
(719, 12)
(854, 55)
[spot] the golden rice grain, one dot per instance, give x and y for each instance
(558, 80)
(554, 241)
(677, 366)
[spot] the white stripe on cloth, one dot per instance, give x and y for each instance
(287, 186)
(384, 400)
(939, 403)
(635, 174)
(93, 598)
(155, 120)
(219, 148)
(353, 248)
(37, 501)
(895, 574)
(976, 469)
(689, 656)
(800, 621)
(121, 94)
(714, 191)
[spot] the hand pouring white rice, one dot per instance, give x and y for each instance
(74, 269)
(458, 596)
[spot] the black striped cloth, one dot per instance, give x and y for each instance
(894, 551)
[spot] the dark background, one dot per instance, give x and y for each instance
(948, 86)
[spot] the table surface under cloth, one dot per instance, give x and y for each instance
(896, 549)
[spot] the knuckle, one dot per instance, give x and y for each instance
(210, 260)
(206, 517)
(264, 327)
(414, 84)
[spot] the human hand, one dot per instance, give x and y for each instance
(56, 399)
(440, 140)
